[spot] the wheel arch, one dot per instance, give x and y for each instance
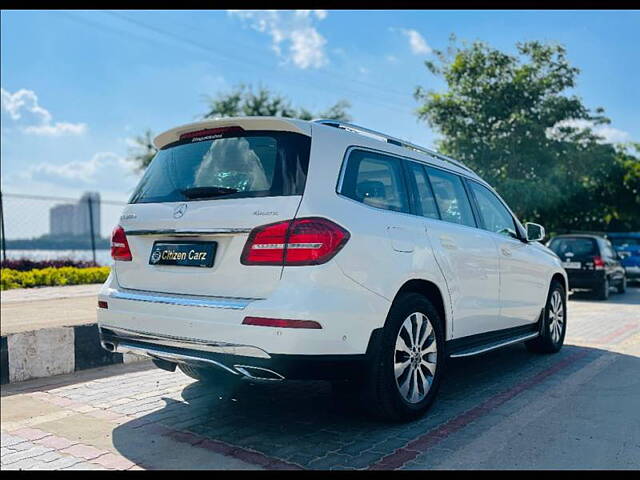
(431, 291)
(563, 281)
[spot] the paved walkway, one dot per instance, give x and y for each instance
(508, 409)
(27, 309)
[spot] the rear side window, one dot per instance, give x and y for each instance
(245, 164)
(576, 246)
(375, 180)
(451, 197)
(495, 216)
(426, 200)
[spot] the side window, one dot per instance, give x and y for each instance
(495, 216)
(375, 180)
(425, 195)
(452, 198)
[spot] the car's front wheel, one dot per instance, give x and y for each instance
(554, 325)
(409, 362)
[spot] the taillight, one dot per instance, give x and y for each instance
(119, 245)
(304, 241)
(598, 263)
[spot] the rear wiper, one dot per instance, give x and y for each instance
(207, 192)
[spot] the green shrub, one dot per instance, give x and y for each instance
(52, 276)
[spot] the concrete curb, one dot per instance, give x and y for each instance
(54, 351)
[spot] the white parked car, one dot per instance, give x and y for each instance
(272, 248)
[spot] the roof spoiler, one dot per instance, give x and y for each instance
(246, 123)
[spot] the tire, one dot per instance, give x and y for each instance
(411, 394)
(602, 292)
(210, 376)
(622, 287)
(554, 322)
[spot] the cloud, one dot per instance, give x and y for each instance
(24, 111)
(606, 133)
(417, 43)
(295, 31)
(104, 170)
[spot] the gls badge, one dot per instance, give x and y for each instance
(179, 210)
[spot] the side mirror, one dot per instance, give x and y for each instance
(535, 232)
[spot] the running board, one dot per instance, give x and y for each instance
(492, 346)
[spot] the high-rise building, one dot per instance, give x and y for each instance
(61, 219)
(74, 219)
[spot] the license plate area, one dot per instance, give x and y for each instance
(572, 264)
(183, 253)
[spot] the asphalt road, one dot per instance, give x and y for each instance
(507, 409)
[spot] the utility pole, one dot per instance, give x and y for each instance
(4, 242)
(93, 240)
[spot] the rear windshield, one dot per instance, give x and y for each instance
(577, 246)
(246, 164)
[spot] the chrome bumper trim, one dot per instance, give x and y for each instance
(179, 299)
(124, 335)
(152, 352)
(180, 233)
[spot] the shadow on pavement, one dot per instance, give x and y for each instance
(306, 424)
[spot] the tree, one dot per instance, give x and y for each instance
(242, 101)
(143, 151)
(508, 118)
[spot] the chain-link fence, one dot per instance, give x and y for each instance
(43, 228)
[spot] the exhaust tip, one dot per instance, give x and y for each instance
(109, 346)
(258, 373)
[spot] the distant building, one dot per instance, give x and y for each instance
(74, 218)
(61, 219)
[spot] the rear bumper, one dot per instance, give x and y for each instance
(347, 313)
(588, 280)
(234, 359)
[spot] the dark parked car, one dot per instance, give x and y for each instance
(591, 263)
(628, 247)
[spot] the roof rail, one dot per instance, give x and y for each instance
(392, 140)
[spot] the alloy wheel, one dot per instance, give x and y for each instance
(556, 316)
(415, 357)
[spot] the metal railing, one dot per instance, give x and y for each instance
(52, 228)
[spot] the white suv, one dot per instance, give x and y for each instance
(271, 248)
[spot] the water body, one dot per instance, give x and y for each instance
(103, 256)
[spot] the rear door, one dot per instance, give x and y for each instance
(201, 196)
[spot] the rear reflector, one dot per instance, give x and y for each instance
(304, 241)
(119, 245)
(211, 131)
(102, 304)
(280, 323)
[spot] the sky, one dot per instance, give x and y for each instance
(77, 86)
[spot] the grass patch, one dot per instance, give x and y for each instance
(51, 276)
